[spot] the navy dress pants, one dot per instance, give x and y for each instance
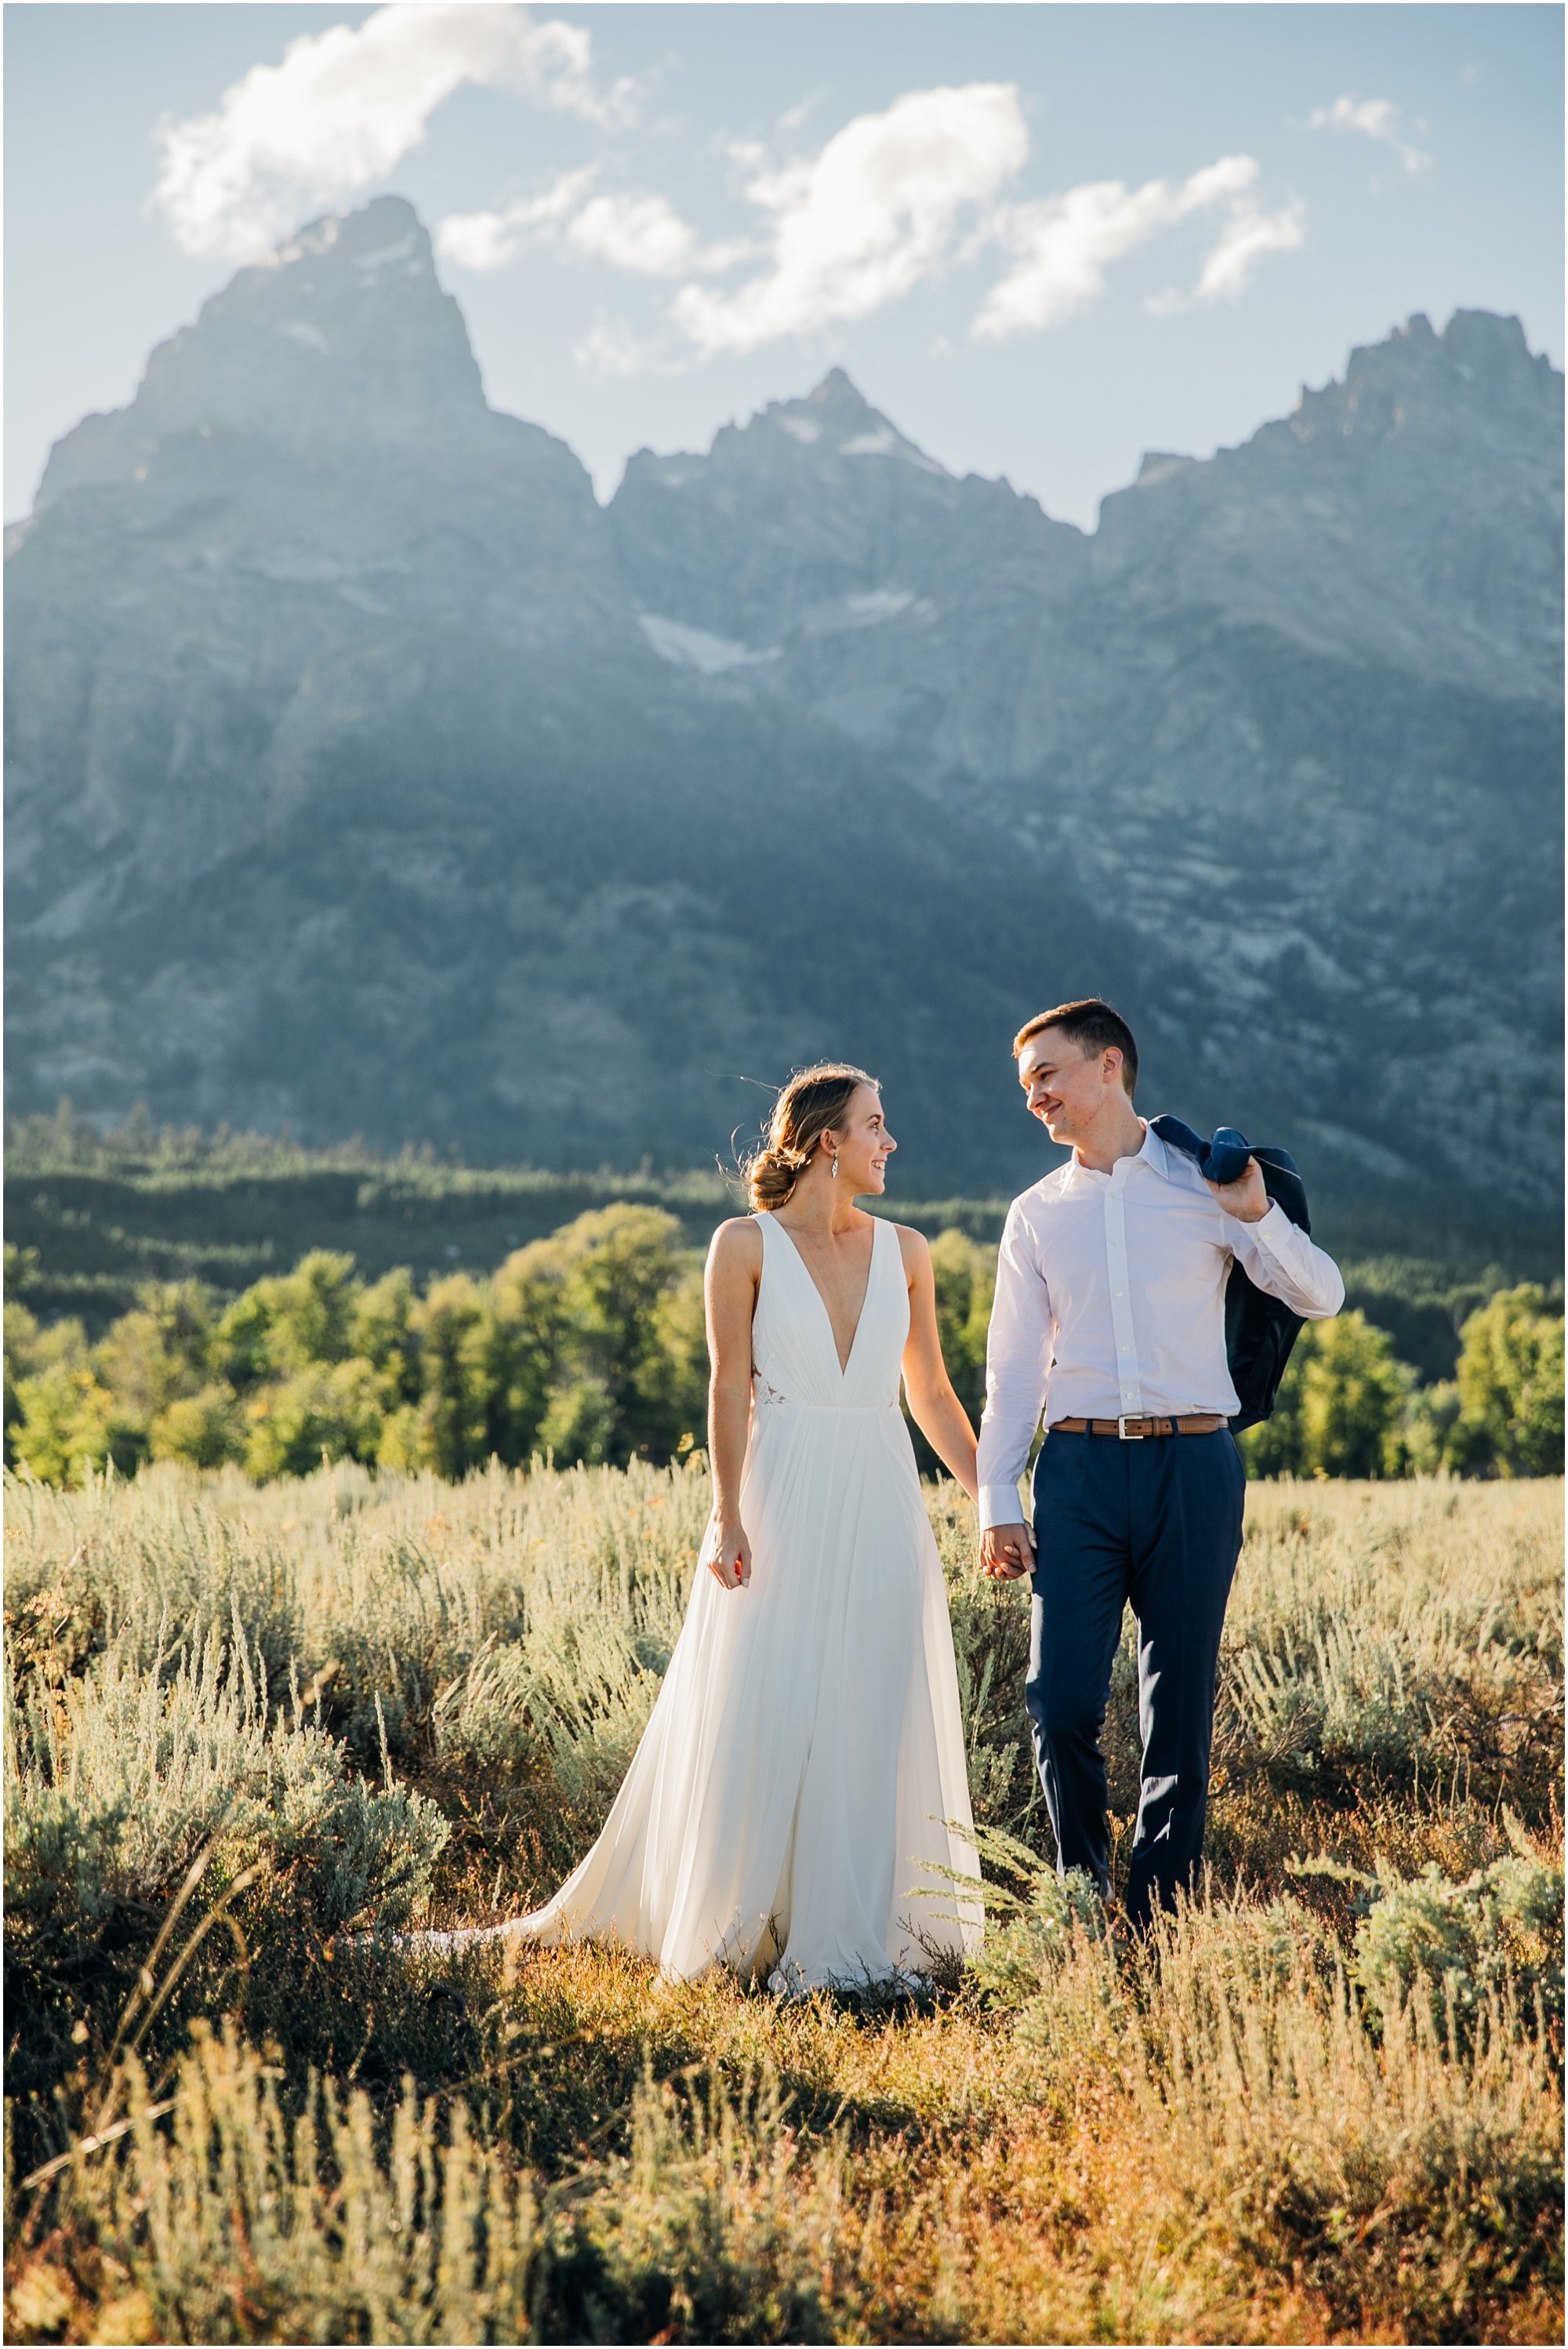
(1158, 1523)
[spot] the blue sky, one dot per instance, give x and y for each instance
(1044, 239)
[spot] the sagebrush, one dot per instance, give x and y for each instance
(1323, 2102)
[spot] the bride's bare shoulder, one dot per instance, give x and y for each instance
(914, 1249)
(736, 1245)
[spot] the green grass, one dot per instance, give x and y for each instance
(1325, 2104)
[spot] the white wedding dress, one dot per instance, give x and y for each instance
(801, 1780)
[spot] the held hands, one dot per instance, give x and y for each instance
(1246, 1198)
(726, 1553)
(1007, 1553)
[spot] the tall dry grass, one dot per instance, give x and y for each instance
(1323, 2103)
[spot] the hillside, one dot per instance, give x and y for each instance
(365, 776)
(92, 1219)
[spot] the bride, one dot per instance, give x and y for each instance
(800, 1784)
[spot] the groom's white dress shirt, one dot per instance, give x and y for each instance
(1110, 1303)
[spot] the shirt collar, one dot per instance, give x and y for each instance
(1157, 1153)
(1088, 1178)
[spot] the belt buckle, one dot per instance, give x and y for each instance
(1121, 1425)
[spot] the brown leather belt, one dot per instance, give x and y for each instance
(1134, 1430)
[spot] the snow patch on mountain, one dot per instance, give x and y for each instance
(688, 647)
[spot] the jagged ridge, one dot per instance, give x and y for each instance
(365, 772)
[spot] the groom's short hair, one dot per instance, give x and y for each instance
(1093, 1027)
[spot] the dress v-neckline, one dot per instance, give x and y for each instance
(843, 1367)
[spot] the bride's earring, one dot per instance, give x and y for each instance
(835, 1165)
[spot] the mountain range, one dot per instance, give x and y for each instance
(366, 774)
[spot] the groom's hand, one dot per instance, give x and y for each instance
(1246, 1198)
(1007, 1553)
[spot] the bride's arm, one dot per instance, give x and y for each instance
(933, 1405)
(734, 1269)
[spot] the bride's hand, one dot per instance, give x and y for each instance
(726, 1553)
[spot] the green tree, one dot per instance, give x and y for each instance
(61, 1419)
(69, 1424)
(382, 1332)
(333, 1408)
(579, 1424)
(618, 1265)
(206, 1429)
(1430, 1422)
(17, 1335)
(289, 1320)
(964, 1276)
(1354, 1396)
(242, 1342)
(23, 1357)
(526, 1345)
(160, 1350)
(1275, 1447)
(1510, 1382)
(451, 1427)
(589, 1345)
(599, 1346)
(965, 1279)
(1341, 1407)
(674, 1376)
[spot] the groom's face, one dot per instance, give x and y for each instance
(1063, 1089)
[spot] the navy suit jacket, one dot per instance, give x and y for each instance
(1259, 1330)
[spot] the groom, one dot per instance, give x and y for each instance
(1110, 1318)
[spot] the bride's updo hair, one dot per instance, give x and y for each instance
(812, 1100)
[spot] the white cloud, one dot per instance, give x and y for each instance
(486, 240)
(1375, 118)
(611, 348)
(344, 105)
(1246, 237)
(1063, 244)
(641, 233)
(860, 223)
(647, 236)
(795, 116)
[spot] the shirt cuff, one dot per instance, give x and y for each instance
(1268, 1228)
(1000, 1506)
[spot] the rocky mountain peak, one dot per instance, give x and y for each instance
(1477, 367)
(819, 520)
(1408, 511)
(1484, 342)
(342, 335)
(306, 500)
(786, 439)
(837, 420)
(362, 772)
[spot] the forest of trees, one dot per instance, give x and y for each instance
(588, 1345)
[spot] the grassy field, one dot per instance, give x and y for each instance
(242, 1723)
